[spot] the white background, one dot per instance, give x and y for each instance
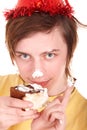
(79, 63)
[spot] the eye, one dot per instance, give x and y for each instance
(24, 56)
(50, 55)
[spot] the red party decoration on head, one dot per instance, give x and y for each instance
(28, 7)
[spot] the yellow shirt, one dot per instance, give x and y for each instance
(76, 110)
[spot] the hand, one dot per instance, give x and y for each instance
(53, 116)
(11, 111)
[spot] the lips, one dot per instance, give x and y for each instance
(43, 84)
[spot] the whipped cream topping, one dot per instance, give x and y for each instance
(34, 87)
(37, 86)
(23, 88)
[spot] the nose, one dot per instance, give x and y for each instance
(37, 73)
(38, 69)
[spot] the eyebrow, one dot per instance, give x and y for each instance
(50, 51)
(20, 52)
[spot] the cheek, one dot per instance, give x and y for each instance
(58, 68)
(22, 67)
(25, 72)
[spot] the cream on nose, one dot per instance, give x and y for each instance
(37, 73)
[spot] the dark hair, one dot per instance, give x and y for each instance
(21, 27)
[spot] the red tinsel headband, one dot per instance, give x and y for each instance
(28, 7)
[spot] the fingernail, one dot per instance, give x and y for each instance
(27, 109)
(61, 122)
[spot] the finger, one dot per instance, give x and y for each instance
(59, 120)
(53, 108)
(52, 103)
(56, 116)
(17, 111)
(17, 103)
(10, 120)
(67, 96)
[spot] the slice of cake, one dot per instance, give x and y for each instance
(33, 93)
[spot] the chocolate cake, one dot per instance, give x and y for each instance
(34, 93)
(20, 91)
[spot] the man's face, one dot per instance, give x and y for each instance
(45, 52)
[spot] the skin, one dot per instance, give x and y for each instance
(53, 116)
(47, 53)
(11, 112)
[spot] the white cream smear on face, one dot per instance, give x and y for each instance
(37, 74)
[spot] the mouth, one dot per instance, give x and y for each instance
(43, 83)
